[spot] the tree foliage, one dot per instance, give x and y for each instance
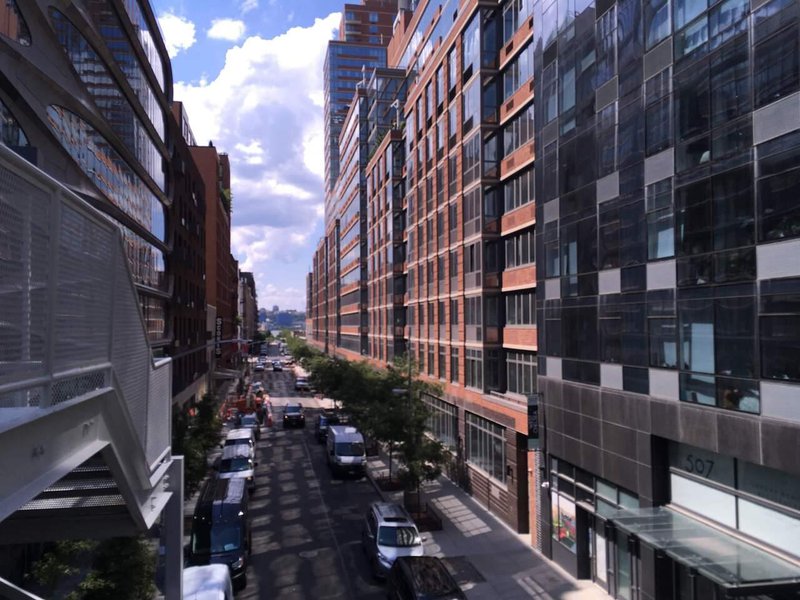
(193, 437)
(116, 568)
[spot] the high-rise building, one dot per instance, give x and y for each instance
(668, 233)
(363, 34)
(84, 94)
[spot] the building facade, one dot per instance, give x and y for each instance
(364, 33)
(187, 265)
(84, 94)
(446, 240)
(222, 280)
(667, 232)
(248, 308)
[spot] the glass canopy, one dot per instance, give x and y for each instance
(718, 556)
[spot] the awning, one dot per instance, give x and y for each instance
(741, 569)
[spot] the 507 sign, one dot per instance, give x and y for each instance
(698, 466)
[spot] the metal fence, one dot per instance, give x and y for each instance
(70, 321)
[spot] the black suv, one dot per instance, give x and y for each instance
(327, 417)
(293, 416)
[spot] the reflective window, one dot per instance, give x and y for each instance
(147, 263)
(13, 25)
(521, 308)
(111, 28)
(146, 38)
(109, 98)
(154, 313)
(473, 367)
(11, 133)
(656, 21)
(521, 372)
(486, 445)
(443, 418)
(107, 170)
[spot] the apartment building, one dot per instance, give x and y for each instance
(84, 95)
(187, 264)
(222, 279)
(248, 308)
(445, 251)
(667, 232)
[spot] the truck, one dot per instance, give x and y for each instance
(345, 450)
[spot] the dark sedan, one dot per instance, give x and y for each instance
(293, 416)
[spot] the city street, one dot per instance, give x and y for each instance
(306, 528)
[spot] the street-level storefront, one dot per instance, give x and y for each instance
(730, 529)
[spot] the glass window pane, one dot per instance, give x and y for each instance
(706, 501)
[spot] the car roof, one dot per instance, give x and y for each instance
(207, 582)
(392, 513)
(429, 574)
(236, 434)
(236, 451)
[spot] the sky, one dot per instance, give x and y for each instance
(249, 73)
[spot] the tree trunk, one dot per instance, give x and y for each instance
(391, 447)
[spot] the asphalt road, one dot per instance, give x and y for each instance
(306, 526)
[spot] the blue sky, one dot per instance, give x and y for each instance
(250, 75)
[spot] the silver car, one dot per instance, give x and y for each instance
(389, 532)
(237, 462)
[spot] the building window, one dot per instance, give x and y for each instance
(521, 308)
(471, 167)
(473, 368)
(657, 24)
(520, 250)
(778, 188)
(660, 220)
(486, 446)
(779, 330)
(13, 25)
(521, 372)
(442, 421)
(454, 365)
(471, 48)
(471, 106)
(442, 362)
(776, 60)
(11, 134)
(519, 131)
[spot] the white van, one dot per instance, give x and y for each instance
(208, 582)
(346, 453)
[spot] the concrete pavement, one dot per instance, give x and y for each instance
(489, 560)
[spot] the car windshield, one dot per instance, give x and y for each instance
(249, 420)
(434, 580)
(350, 449)
(398, 537)
(216, 540)
(293, 409)
(234, 465)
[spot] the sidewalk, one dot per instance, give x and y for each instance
(490, 561)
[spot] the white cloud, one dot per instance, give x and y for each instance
(179, 33)
(248, 5)
(265, 108)
(231, 30)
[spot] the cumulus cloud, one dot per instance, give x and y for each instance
(265, 109)
(231, 30)
(179, 33)
(248, 5)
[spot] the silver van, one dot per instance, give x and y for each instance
(244, 436)
(389, 532)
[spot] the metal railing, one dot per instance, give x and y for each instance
(70, 322)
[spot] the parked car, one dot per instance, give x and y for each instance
(421, 578)
(345, 450)
(324, 419)
(277, 365)
(259, 367)
(237, 462)
(250, 421)
(389, 532)
(301, 384)
(244, 437)
(293, 416)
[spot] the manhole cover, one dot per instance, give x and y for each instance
(308, 553)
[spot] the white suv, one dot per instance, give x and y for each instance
(389, 532)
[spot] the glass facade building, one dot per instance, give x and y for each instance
(86, 100)
(667, 231)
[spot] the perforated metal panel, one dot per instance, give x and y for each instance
(25, 249)
(85, 276)
(159, 412)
